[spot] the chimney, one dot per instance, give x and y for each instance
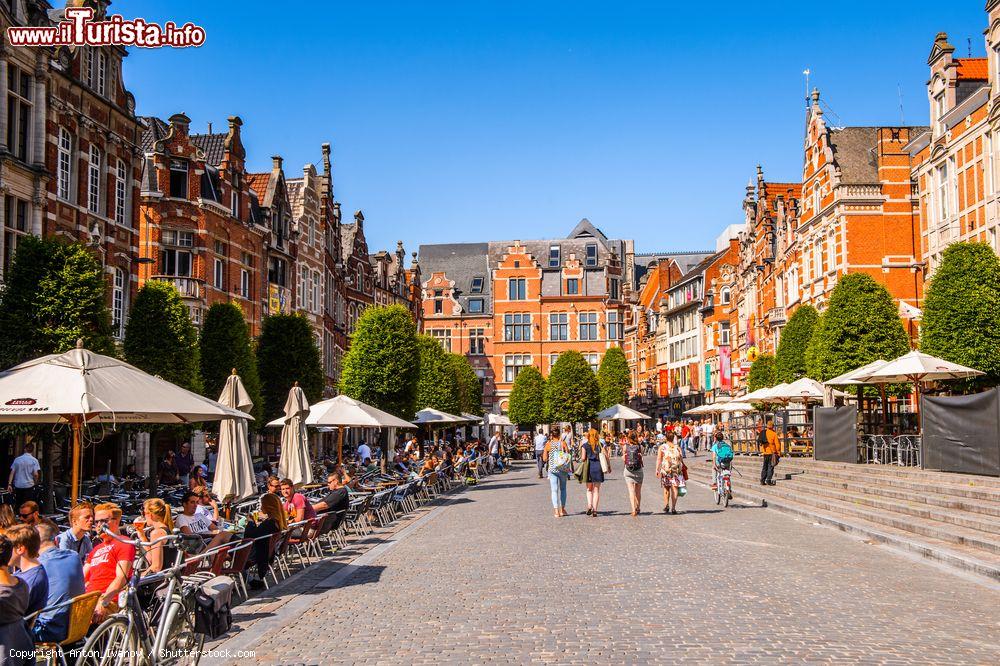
(276, 162)
(327, 172)
(179, 124)
(210, 127)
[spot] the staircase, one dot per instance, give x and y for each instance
(951, 518)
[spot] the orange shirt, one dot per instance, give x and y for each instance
(772, 447)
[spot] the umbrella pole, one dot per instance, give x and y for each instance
(886, 420)
(916, 407)
(77, 425)
(340, 445)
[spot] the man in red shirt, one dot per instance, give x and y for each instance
(296, 505)
(109, 564)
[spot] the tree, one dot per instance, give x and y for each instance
(571, 392)
(614, 378)
(160, 338)
(790, 360)
(762, 373)
(813, 368)
(437, 387)
(860, 325)
(226, 345)
(527, 397)
(961, 321)
(287, 353)
(54, 294)
(470, 388)
(382, 366)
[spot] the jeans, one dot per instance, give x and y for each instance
(684, 447)
(497, 462)
(539, 462)
(558, 482)
(767, 469)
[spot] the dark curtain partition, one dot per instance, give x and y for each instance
(962, 433)
(836, 434)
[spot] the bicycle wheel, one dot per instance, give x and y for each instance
(113, 643)
(180, 645)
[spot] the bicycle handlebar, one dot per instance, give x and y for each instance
(175, 536)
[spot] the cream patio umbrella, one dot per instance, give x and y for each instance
(234, 478)
(81, 386)
(294, 461)
(431, 417)
(757, 396)
(733, 407)
(621, 413)
(803, 389)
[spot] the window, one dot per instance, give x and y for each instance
(726, 296)
(443, 336)
(516, 289)
(118, 303)
(939, 111)
(723, 333)
(438, 303)
(179, 179)
(477, 341)
(234, 196)
(593, 360)
(517, 327)
(317, 299)
(65, 166)
(558, 326)
(614, 325)
(477, 285)
(553, 256)
(277, 272)
(121, 193)
(100, 76)
(218, 275)
(943, 203)
(19, 86)
(244, 283)
(615, 289)
(476, 305)
(512, 365)
(591, 255)
(176, 263)
(174, 237)
(588, 326)
(15, 226)
(572, 286)
(94, 180)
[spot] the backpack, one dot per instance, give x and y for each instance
(724, 453)
(559, 459)
(633, 458)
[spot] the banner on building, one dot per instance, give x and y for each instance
(707, 384)
(663, 389)
(725, 368)
(277, 300)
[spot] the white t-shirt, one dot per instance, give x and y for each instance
(494, 445)
(364, 451)
(540, 440)
(204, 510)
(25, 466)
(198, 523)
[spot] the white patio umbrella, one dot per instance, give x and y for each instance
(294, 461)
(757, 396)
(700, 409)
(233, 467)
(80, 386)
(732, 407)
(803, 389)
(498, 420)
(851, 378)
(472, 418)
(620, 413)
(435, 417)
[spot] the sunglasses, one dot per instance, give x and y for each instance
(26, 516)
(102, 521)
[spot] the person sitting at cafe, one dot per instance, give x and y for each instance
(109, 564)
(29, 569)
(29, 513)
(270, 519)
(273, 485)
(207, 505)
(337, 499)
(65, 575)
(402, 464)
(198, 477)
(77, 537)
(297, 507)
(156, 524)
(189, 521)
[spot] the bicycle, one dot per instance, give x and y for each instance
(165, 633)
(723, 485)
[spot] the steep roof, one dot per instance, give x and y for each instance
(584, 229)
(972, 68)
(460, 262)
(258, 183)
(153, 130)
(854, 151)
(214, 146)
(348, 230)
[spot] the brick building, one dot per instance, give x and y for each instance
(308, 227)
(272, 207)
(359, 289)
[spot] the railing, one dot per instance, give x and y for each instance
(188, 287)
(861, 191)
(901, 450)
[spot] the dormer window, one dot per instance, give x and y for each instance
(554, 256)
(477, 285)
(179, 179)
(591, 255)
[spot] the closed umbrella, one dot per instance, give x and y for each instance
(233, 468)
(294, 461)
(80, 386)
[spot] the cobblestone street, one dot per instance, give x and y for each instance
(493, 577)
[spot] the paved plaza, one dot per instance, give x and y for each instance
(492, 577)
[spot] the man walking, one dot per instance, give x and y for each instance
(540, 440)
(770, 451)
(25, 474)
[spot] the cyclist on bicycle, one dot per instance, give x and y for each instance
(722, 457)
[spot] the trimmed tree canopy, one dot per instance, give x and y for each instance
(860, 325)
(470, 389)
(287, 353)
(160, 337)
(961, 321)
(438, 384)
(225, 345)
(54, 293)
(762, 373)
(790, 360)
(383, 365)
(527, 397)
(571, 392)
(614, 378)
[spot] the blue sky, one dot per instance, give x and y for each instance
(476, 120)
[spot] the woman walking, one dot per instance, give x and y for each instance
(557, 456)
(632, 464)
(591, 452)
(669, 468)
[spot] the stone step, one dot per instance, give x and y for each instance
(963, 557)
(894, 471)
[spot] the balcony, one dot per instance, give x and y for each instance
(776, 316)
(862, 192)
(188, 287)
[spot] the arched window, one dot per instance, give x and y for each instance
(725, 296)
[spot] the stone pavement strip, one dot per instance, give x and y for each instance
(492, 577)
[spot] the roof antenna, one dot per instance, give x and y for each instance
(899, 91)
(969, 40)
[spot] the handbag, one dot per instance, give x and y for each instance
(581, 470)
(684, 471)
(605, 463)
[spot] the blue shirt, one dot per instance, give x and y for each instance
(38, 588)
(67, 541)
(65, 576)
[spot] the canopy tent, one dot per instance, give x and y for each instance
(621, 413)
(234, 479)
(80, 386)
(294, 462)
